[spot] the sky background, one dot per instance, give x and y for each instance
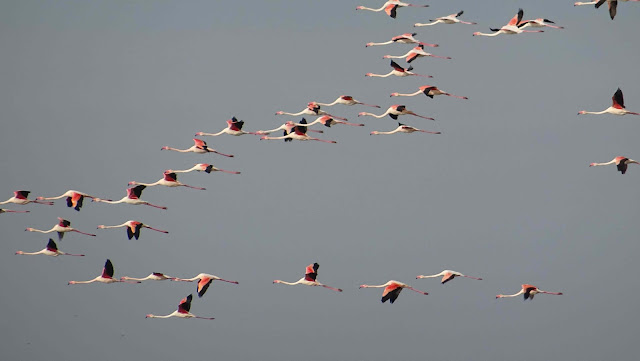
(91, 90)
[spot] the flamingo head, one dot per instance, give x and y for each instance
(101, 226)
(476, 33)
(19, 252)
(71, 283)
(148, 316)
(592, 165)
(362, 113)
(499, 296)
(374, 132)
(393, 95)
(368, 45)
(581, 112)
(359, 7)
(276, 281)
(199, 133)
(280, 112)
(164, 148)
(362, 286)
(39, 198)
(386, 57)
(368, 74)
(263, 137)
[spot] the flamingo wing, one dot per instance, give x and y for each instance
(517, 18)
(391, 293)
(236, 124)
(458, 14)
(622, 165)
(107, 271)
(397, 67)
(170, 176)
(137, 228)
(311, 272)
(64, 223)
(613, 5)
(21, 194)
(412, 57)
(185, 304)
(527, 291)
(209, 168)
(391, 10)
(200, 144)
(448, 277)
(52, 246)
(135, 192)
(203, 285)
(618, 99)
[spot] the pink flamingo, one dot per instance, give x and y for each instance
(346, 100)
(204, 280)
(105, 277)
(155, 276)
(414, 54)
(529, 291)
(402, 128)
(397, 71)
(170, 179)
(61, 228)
(312, 109)
(133, 197)
(133, 228)
(287, 127)
(392, 290)
(74, 198)
(394, 111)
(20, 197)
(200, 147)
(327, 121)
(539, 23)
(513, 27)
(299, 132)
(620, 162)
(448, 275)
(613, 5)
(406, 38)
(428, 90)
(616, 108)
(2, 210)
(50, 250)
(183, 311)
(309, 278)
(391, 7)
(203, 167)
(234, 127)
(449, 19)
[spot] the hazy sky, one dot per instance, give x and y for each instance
(91, 90)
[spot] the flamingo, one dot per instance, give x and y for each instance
(394, 111)
(428, 90)
(50, 250)
(398, 71)
(299, 132)
(448, 275)
(133, 197)
(414, 54)
(105, 277)
(539, 23)
(287, 127)
(61, 228)
(449, 19)
(2, 210)
(234, 127)
(183, 311)
(402, 128)
(392, 290)
(20, 197)
(204, 280)
(327, 121)
(170, 179)
(613, 5)
(203, 167)
(620, 162)
(200, 147)
(529, 291)
(406, 38)
(155, 276)
(346, 100)
(512, 27)
(133, 228)
(309, 278)
(312, 109)
(74, 198)
(390, 7)
(616, 108)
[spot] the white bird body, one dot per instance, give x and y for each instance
(394, 111)
(234, 127)
(415, 53)
(105, 277)
(199, 147)
(406, 38)
(50, 250)
(402, 128)
(328, 121)
(170, 179)
(182, 312)
(133, 228)
(428, 90)
(529, 291)
(392, 290)
(61, 228)
(309, 279)
(449, 19)
(203, 167)
(616, 108)
(398, 71)
(346, 100)
(390, 7)
(447, 275)
(312, 108)
(133, 198)
(20, 197)
(620, 162)
(155, 276)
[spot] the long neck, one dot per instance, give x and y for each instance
(309, 124)
(273, 138)
(52, 198)
(288, 283)
(213, 134)
(329, 104)
(406, 95)
(32, 253)
(84, 282)
(390, 132)
(494, 34)
(135, 279)
(374, 286)
(586, 112)
(431, 276)
(428, 24)
(125, 224)
(513, 295)
(385, 43)
(41, 231)
(178, 150)
(583, 3)
(196, 168)
(375, 116)
(370, 9)
(174, 314)
(110, 201)
(396, 56)
(380, 76)
(146, 184)
(607, 163)
(294, 114)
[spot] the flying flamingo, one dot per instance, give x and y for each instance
(327, 121)
(512, 27)
(61, 228)
(394, 111)
(414, 54)
(50, 250)
(312, 109)
(406, 38)
(2, 210)
(398, 71)
(449, 19)
(20, 197)
(448, 275)
(234, 127)
(428, 90)
(204, 280)
(155, 276)
(529, 291)
(392, 290)
(200, 147)
(74, 198)
(346, 100)
(613, 5)
(183, 311)
(402, 128)
(133, 228)
(170, 179)
(390, 7)
(203, 167)
(105, 277)
(616, 108)
(539, 23)
(620, 162)
(287, 127)
(133, 197)
(309, 278)
(299, 132)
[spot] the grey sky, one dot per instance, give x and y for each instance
(91, 90)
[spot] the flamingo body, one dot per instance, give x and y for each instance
(309, 279)
(50, 250)
(184, 308)
(620, 162)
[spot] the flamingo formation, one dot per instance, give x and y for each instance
(199, 146)
(155, 276)
(539, 23)
(448, 275)
(183, 311)
(74, 198)
(105, 277)
(61, 228)
(299, 132)
(346, 100)
(2, 210)
(312, 109)
(287, 127)
(50, 250)
(133, 197)
(512, 27)
(327, 121)
(394, 111)
(406, 38)
(170, 179)
(529, 291)
(449, 19)
(391, 7)
(616, 108)
(203, 167)
(620, 162)
(133, 228)
(204, 280)
(414, 54)
(234, 127)
(392, 290)
(21, 197)
(428, 90)
(309, 279)
(398, 71)
(403, 128)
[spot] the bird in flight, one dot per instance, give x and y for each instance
(529, 291)
(204, 280)
(403, 128)
(309, 279)
(447, 275)
(183, 311)
(391, 7)
(620, 162)
(50, 250)
(133, 228)
(392, 290)
(199, 146)
(61, 228)
(449, 19)
(616, 108)
(105, 277)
